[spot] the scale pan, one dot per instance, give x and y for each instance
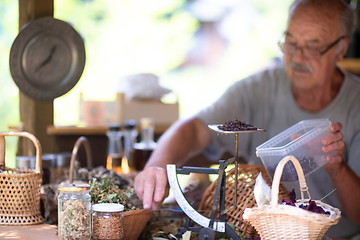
(215, 128)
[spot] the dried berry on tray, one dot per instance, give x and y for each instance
(236, 125)
(311, 206)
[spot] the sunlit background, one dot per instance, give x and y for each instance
(196, 48)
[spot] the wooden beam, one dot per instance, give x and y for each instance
(35, 115)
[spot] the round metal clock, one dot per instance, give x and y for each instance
(47, 58)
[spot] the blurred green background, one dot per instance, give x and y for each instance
(197, 48)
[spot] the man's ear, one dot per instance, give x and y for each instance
(345, 45)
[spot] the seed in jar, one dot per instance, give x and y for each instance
(236, 125)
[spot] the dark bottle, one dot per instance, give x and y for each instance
(115, 151)
(130, 134)
(144, 148)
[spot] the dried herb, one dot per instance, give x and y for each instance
(106, 191)
(311, 206)
(74, 220)
(107, 226)
(236, 125)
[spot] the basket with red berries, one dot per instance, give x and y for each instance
(300, 219)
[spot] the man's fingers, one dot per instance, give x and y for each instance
(149, 187)
(160, 187)
(338, 146)
(333, 138)
(139, 187)
(336, 127)
(334, 159)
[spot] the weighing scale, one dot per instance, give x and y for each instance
(208, 226)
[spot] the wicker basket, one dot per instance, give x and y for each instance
(135, 222)
(276, 221)
(20, 189)
(245, 197)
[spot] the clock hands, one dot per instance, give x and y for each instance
(47, 60)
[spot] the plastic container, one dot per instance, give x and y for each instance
(74, 205)
(303, 141)
(107, 221)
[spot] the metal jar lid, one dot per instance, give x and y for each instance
(108, 207)
(72, 187)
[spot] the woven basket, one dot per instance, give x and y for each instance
(20, 189)
(135, 222)
(276, 221)
(245, 197)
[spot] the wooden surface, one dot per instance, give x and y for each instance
(30, 232)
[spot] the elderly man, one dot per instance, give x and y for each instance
(310, 86)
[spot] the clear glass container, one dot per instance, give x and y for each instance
(115, 150)
(74, 206)
(144, 149)
(130, 135)
(107, 221)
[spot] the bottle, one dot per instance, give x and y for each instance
(107, 221)
(74, 205)
(130, 135)
(144, 148)
(115, 151)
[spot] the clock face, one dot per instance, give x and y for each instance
(47, 59)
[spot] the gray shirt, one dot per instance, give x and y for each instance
(266, 101)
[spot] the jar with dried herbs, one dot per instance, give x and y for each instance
(107, 221)
(74, 206)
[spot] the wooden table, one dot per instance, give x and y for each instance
(29, 232)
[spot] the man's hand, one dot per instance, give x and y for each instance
(334, 142)
(152, 187)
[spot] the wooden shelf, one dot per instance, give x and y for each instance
(91, 130)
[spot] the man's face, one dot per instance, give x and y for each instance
(309, 28)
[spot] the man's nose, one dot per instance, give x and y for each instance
(298, 55)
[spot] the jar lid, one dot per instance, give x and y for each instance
(108, 207)
(73, 187)
(146, 122)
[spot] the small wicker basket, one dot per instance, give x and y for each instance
(276, 221)
(20, 189)
(135, 222)
(245, 197)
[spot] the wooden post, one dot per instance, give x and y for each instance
(35, 115)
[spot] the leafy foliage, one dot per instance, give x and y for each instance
(106, 191)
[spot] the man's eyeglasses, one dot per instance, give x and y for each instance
(309, 53)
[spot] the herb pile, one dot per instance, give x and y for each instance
(312, 206)
(236, 125)
(74, 220)
(106, 191)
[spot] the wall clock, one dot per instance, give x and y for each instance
(47, 58)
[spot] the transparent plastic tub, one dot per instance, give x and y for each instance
(303, 141)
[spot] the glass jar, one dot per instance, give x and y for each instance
(130, 135)
(107, 221)
(74, 205)
(115, 150)
(144, 149)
